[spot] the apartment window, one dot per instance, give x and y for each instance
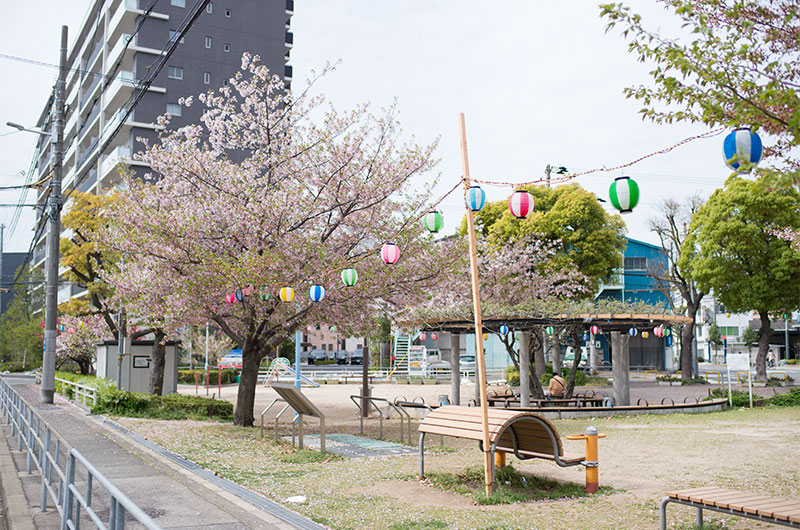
(178, 3)
(224, 82)
(636, 264)
(175, 72)
(208, 42)
(226, 47)
(228, 13)
(174, 109)
(207, 78)
(174, 35)
(210, 8)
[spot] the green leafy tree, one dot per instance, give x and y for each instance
(735, 251)
(749, 337)
(21, 324)
(589, 240)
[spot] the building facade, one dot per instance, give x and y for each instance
(117, 45)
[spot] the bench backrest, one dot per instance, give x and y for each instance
(533, 433)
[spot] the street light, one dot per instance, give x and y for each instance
(26, 129)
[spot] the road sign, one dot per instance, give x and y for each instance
(739, 361)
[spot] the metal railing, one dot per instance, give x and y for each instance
(373, 404)
(79, 392)
(46, 450)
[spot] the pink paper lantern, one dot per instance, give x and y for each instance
(231, 298)
(390, 253)
(422, 336)
(594, 330)
(521, 204)
(434, 336)
(658, 332)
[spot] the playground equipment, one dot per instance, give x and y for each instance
(283, 364)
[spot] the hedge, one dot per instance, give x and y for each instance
(186, 377)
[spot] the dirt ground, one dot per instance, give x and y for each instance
(642, 457)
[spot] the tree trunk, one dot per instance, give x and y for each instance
(158, 360)
(538, 361)
(686, 349)
(763, 346)
(575, 364)
(245, 400)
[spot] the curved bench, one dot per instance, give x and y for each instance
(524, 434)
(752, 506)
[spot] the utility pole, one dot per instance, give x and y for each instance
(547, 171)
(53, 212)
(2, 233)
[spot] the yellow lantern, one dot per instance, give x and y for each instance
(287, 294)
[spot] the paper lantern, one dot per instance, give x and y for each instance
(390, 253)
(658, 332)
(287, 294)
(316, 293)
(504, 330)
(485, 336)
(349, 277)
(434, 336)
(633, 332)
(250, 289)
(645, 334)
(521, 204)
(72, 330)
(741, 145)
(624, 194)
(265, 294)
(239, 294)
(594, 330)
(231, 298)
(549, 331)
(667, 332)
(433, 221)
(422, 337)
(61, 328)
(476, 198)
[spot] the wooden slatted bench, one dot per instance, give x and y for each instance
(759, 507)
(523, 434)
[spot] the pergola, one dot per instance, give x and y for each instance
(615, 324)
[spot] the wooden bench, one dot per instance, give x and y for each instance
(759, 507)
(524, 434)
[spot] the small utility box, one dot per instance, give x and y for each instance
(136, 364)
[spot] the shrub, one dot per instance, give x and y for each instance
(789, 399)
(186, 377)
(793, 361)
(739, 397)
(171, 406)
(512, 376)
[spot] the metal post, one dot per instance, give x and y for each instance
(120, 348)
(785, 338)
(53, 213)
(298, 338)
(206, 359)
(365, 382)
(524, 370)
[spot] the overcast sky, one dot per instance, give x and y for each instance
(540, 82)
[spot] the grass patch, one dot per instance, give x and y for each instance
(417, 525)
(596, 380)
(511, 486)
(305, 456)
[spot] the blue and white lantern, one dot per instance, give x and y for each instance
(476, 198)
(239, 294)
(633, 332)
(316, 293)
(740, 145)
(504, 330)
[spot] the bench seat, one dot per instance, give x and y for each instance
(760, 507)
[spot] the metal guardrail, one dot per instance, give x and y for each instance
(83, 392)
(44, 447)
(373, 404)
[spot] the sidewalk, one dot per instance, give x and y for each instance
(171, 490)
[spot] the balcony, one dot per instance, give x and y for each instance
(87, 125)
(290, 6)
(119, 91)
(87, 153)
(89, 182)
(121, 154)
(289, 39)
(287, 72)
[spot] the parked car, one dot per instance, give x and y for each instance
(357, 357)
(467, 363)
(316, 356)
(342, 357)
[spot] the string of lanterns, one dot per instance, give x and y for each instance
(740, 145)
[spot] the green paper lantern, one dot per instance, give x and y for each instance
(549, 331)
(349, 277)
(624, 194)
(433, 221)
(265, 294)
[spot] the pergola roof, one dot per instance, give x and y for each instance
(607, 321)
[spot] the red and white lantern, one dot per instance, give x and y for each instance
(594, 330)
(434, 336)
(521, 204)
(422, 337)
(231, 298)
(658, 332)
(390, 253)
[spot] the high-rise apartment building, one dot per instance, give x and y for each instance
(117, 45)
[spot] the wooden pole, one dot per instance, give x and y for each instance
(476, 305)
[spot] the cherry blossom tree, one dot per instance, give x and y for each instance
(276, 189)
(77, 341)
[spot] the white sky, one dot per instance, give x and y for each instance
(540, 82)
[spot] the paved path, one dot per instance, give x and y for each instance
(174, 492)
